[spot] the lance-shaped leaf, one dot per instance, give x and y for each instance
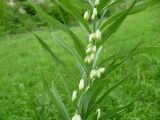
(49, 51)
(120, 55)
(51, 20)
(114, 112)
(114, 26)
(123, 54)
(73, 10)
(102, 4)
(104, 95)
(70, 51)
(56, 100)
(137, 8)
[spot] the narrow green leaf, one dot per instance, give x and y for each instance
(62, 80)
(77, 43)
(73, 10)
(102, 5)
(56, 100)
(131, 53)
(70, 51)
(114, 112)
(103, 96)
(114, 26)
(120, 55)
(137, 8)
(49, 51)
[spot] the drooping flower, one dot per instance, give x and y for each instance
(87, 59)
(86, 15)
(96, 73)
(74, 95)
(98, 113)
(95, 11)
(101, 70)
(81, 84)
(93, 74)
(92, 37)
(98, 34)
(94, 48)
(76, 117)
(96, 2)
(94, 14)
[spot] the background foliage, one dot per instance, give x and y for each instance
(22, 60)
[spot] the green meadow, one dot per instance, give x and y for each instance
(23, 65)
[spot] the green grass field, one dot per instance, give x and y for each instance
(23, 62)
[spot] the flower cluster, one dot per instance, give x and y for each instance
(76, 117)
(91, 49)
(96, 73)
(74, 96)
(93, 37)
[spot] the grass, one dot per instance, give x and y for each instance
(22, 62)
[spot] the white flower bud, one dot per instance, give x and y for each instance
(86, 59)
(92, 37)
(89, 45)
(86, 15)
(76, 117)
(74, 95)
(88, 50)
(93, 17)
(81, 84)
(92, 74)
(98, 34)
(101, 70)
(98, 113)
(98, 74)
(94, 14)
(97, 2)
(95, 11)
(94, 48)
(92, 56)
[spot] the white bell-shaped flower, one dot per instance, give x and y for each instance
(94, 48)
(92, 56)
(74, 95)
(86, 15)
(95, 11)
(98, 34)
(81, 84)
(89, 50)
(96, 2)
(76, 117)
(92, 37)
(94, 14)
(92, 74)
(101, 70)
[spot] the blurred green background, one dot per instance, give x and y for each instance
(22, 62)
